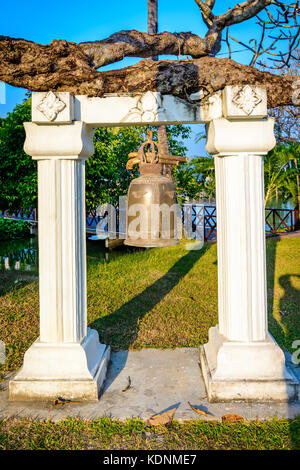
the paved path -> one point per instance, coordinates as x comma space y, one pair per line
284, 235
160, 380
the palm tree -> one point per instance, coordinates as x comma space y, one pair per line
281, 176
196, 179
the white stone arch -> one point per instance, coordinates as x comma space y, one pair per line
241, 360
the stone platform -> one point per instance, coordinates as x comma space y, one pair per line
160, 380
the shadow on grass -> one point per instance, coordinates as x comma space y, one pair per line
120, 329
274, 324
289, 308
271, 257
287, 328
295, 433
14, 280
291, 329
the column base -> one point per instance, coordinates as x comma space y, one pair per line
254, 371
74, 371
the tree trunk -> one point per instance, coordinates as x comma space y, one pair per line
161, 130
152, 6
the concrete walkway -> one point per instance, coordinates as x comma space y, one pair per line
283, 235
160, 380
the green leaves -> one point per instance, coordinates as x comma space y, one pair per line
18, 174
281, 172
195, 179
10, 229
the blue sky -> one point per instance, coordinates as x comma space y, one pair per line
79, 20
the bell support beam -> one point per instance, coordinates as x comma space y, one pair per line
67, 360
242, 361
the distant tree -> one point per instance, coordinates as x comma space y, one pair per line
280, 173
187, 185
196, 179
293, 177
287, 132
18, 178
287, 129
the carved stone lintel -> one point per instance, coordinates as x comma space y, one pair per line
147, 108
235, 102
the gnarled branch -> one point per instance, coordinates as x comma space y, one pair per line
63, 66
66, 66
138, 44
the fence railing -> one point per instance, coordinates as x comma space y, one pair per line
280, 220
276, 220
210, 223
30, 215
92, 219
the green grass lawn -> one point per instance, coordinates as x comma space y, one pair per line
105, 433
160, 298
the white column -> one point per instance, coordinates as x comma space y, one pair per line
241, 247
67, 360
242, 361
62, 259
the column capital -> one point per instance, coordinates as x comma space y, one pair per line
72, 141
235, 137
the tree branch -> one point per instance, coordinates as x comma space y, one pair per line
139, 44
206, 11
280, 25
241, 12
63, 66
66, 66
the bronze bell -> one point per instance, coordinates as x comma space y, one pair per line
151, 200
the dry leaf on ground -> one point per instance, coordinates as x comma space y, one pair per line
231, 418
162, 418
61, 401
128, 386
200, 412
